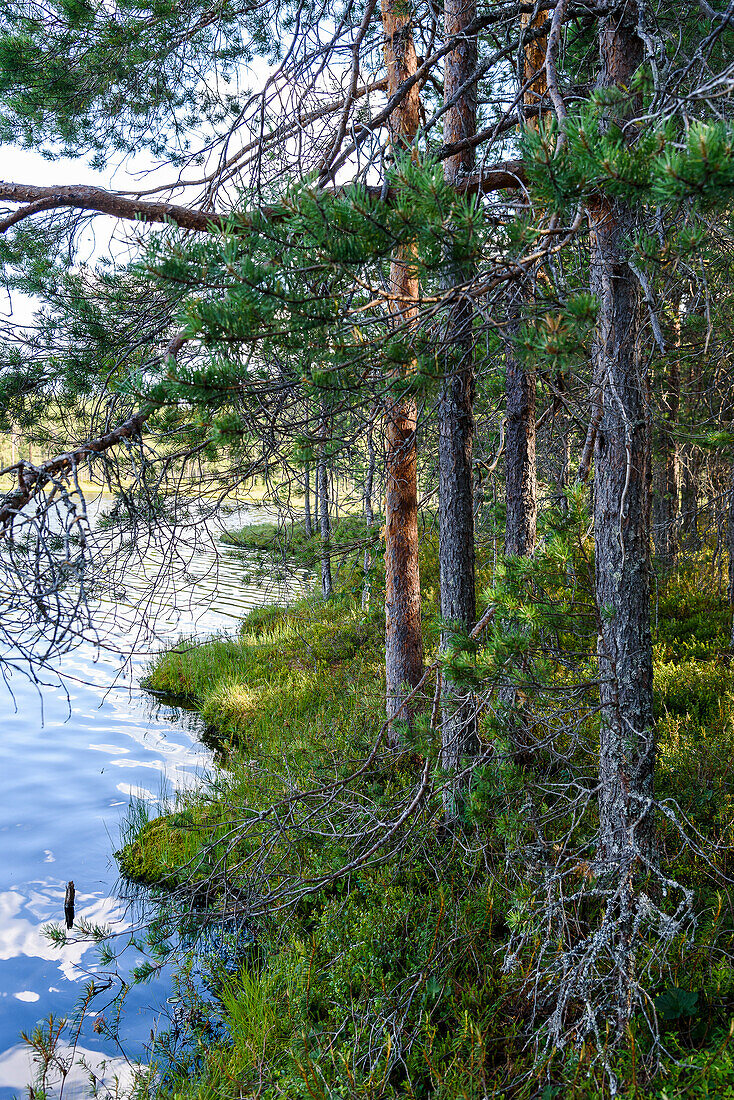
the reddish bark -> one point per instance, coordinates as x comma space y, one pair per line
403, 635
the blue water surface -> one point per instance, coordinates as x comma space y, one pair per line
73, 751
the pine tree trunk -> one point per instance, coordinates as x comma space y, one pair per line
666, 499
521, 498
456, 422
521, 480
559, 454
520, 467
621, 510
327, 586
307, 500
403, 635
369, 517
689, 497
666, 473
621, 530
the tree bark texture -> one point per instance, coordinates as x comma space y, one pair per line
322, 477
403, 635
621, 521
307, 500
521, 500
535, 80
456, 418
562, 451
666, 471
689, 496
369, 516
666, 497
521, 479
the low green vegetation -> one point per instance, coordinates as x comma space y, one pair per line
350, 535
394, 980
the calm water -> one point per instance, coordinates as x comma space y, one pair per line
72, 753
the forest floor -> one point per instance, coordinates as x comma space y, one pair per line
389, 982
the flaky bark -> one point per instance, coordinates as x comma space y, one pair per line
621, 504
621, 522
535, 76
403, 635
456, 418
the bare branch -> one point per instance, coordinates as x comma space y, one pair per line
82, 197
32, 478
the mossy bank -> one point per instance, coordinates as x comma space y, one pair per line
392, 980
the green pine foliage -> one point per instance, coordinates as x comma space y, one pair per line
69, 68
661, 167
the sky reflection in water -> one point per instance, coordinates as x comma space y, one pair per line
68, 767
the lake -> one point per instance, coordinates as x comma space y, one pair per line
73, 752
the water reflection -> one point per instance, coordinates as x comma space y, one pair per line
14, 1066
72, 754
22, 938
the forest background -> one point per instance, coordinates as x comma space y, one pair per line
474, 261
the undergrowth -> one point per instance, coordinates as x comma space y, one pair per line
349, 535
392, 980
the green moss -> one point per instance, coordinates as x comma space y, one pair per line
268, 690
178, 849
413, 950
156, 855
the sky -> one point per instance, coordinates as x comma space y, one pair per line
104, 236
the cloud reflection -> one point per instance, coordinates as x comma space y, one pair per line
21, 937
17, 1071
136, 792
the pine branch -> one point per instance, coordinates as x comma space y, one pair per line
505, 175
31, 478
97, 200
